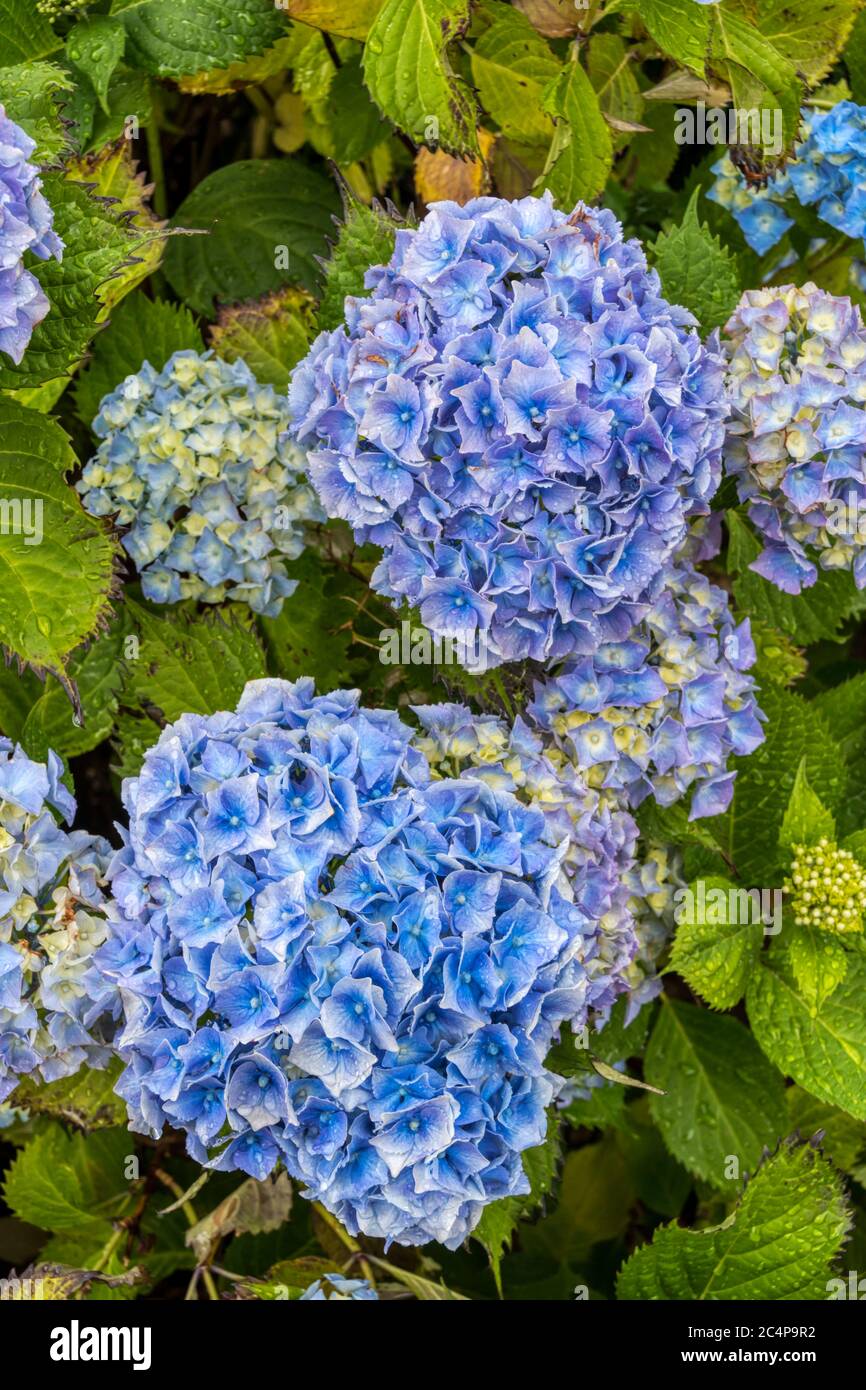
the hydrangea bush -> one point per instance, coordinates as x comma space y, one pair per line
433, 688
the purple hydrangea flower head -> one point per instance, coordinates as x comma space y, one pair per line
659, 713
827, 171
25, 225
519, 420
797, 435
195, 463
54, 1011
331, 959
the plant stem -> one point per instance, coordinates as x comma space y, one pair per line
156, 167
192, 1220
350, 1243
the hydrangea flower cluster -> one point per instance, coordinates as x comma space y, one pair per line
827, 887
195, 461
521, 422
797, 435
660, 713
336, 1288
330, 959
54, 1010
25, 225
827, 171
598, 835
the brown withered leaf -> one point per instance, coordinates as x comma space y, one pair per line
253, 1208
555, 19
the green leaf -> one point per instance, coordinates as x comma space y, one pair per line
129, 100
29, 95
66, 1183
190, 663
612, 73
26, 33
659, 1180
425, 1290
365, 238
354, 122
94, 46
267, 221
718, 942
97, 675
55, 591
409, 75
269, 334
176, 38
855, 58
843, 1138
308, 638
500, 1219
511, 66
140, 330
132, 737
112, 173
97, 245
809, 33
819, 962
581, 152
679, 30
821, 1046
811, 616
750, 58
778, 1243
748, 832
696, 270
724, 1100
594, 1196
86, 1100
844, 708
806, 819
615, 1042
286, 1280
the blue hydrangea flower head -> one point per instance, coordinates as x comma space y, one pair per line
827, 171
330, 959
797, 435
25, 225
194, 462
519, 420
336, 1288
598, 835
660, 713
54, 1011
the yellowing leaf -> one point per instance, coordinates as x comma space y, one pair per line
440, 175
348, 19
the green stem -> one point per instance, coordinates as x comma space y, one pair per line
350, 1243
503, 694
156, 167
192, 1220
